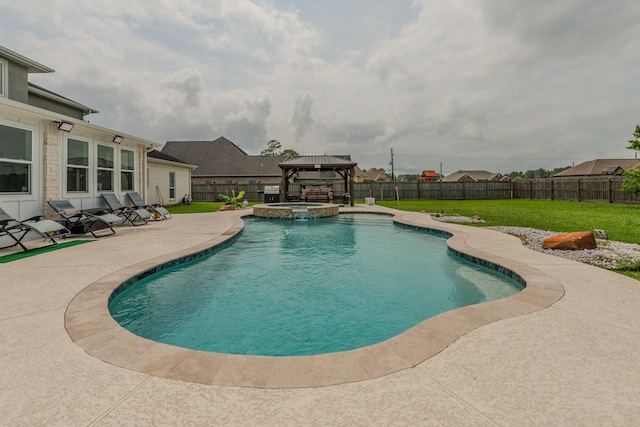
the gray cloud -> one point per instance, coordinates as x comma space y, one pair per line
248, 126
499, 85
301, 119
188, 83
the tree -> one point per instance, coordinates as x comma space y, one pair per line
635, 143
631, 183
274, 148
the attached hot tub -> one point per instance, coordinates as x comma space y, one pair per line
296, 210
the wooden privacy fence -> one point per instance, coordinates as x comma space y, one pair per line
592, 189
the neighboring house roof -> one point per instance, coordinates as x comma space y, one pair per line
31, 65
163, 157
428, 172
599, 167
474, 175
376, 175
222, 158
46, 93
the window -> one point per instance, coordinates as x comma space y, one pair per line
172, 185
105, 168
3, 73
15, 160
77, 165
127, 167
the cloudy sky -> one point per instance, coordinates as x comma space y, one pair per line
500, 85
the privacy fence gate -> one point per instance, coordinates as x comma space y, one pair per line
593, 189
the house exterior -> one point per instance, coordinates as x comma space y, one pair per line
223, 162
169, 179
475, 176
370, 175
599, 167
48, 151
428, 176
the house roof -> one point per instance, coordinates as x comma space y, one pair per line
598, 167
46, 93
158, 155
478, 175
318, 162
31, 65
223, 158
429, 172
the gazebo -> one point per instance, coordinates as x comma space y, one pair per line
339, 165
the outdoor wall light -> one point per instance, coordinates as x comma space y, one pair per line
118, 139
65, 126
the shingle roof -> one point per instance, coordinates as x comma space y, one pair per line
222, 157
598, 167
155, 154
478, 175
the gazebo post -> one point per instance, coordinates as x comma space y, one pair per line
285, 186
352, 187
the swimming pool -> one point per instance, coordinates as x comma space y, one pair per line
302, 288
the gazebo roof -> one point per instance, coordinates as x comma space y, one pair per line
317, 162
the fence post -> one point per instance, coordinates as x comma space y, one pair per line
578, 189
609, 190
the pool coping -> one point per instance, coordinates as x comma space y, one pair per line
90, 326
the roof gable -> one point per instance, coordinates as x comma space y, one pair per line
221, 157
599, 167
31, 65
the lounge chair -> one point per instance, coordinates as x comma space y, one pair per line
138, 203
130, 215
18, 230
90, 222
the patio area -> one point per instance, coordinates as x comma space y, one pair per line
574, 362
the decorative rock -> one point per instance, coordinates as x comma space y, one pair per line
227, 208
578, 240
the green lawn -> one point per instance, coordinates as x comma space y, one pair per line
621, 222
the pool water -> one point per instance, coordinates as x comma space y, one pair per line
306, 287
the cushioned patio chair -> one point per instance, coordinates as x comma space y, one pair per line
18, 230
131, 215
138, 203
90, 222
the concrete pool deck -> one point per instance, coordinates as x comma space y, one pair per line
572, 359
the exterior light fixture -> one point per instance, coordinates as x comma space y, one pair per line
118, 139
65, 126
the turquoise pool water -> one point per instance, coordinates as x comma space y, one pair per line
306, 287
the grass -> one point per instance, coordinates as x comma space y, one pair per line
24, 254
198, 207
621, 222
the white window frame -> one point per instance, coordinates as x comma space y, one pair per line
172, 188
132, 171
103, 168
30, 163
4, 71
89, 167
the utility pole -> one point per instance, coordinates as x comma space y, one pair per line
393, 177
